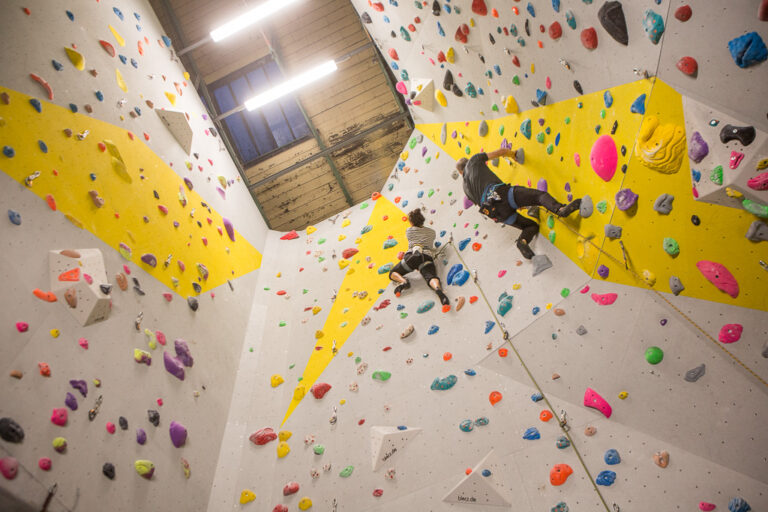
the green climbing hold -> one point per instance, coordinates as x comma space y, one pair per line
476, 226
550, 149
716, 176
552, 236
428, 159
404, 34
495, 107
403, 315
467, 150
364, 206
346, 471
321, 241
501, 129
381, 375
602, 206
282, 323
540, 137
550, 221
318, 449
602, 114
358, 360
431, 192
516, 80
565, 292
290, 366
671, 246
654, 355
567, 120
755, 208
412, 143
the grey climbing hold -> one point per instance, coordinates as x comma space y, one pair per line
663, 204
520, 156
11, 431
744, 134
540, 263
448, 80
193, 304
581, 330
764, 353
444, 133
483, 128
675, 285
612, 231
697, 148
109, 470
457, 90
14, 217
577, 86
366, 18
495, 162
738, 505
757, 232
586, 208
695, 374
612, 19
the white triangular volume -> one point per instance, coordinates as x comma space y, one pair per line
425, 93
476, 489
177, 124
386, 442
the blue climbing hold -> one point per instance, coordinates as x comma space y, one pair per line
461, 278
70, 15
513, 30
607, 99
442, 384
738, 505
134, 63
123, 59
366, 229
470, 372
389, 243
748, 49
464, 243
570, 19
442, 233
440, 29
696, 175
92, 176
505, 304
58, 66
653, 24
9, 151
537, 397
638, 106
433, 329
556, 5
541, 97
481, 421
137, 16
402, 427
497, 69
99, 95
560, 507
137, 110
118, 13
438, 244
562, 443
452, 272
14, 217
531, 9
425, 306
557, 139
400, 307
36, 104
166, 40
532, 434
612, 457
525, 128
42, 145
606, 478
73, 108
386, 19
447, 8
521, 41
395, 67
420, 194
489, 325
486, 472
535, 310
385, 268
466, 426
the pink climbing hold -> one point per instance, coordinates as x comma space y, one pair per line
44, 463
290, 235
502, 273
111, 427
393, 54
730, 333
759, 182
605, 299
59, 416
719, 276
577, 159
604, 157
22, 326
9, 466
402, 88
706, 506
168, 296
584, 290
594, 400
319, 389
83, 343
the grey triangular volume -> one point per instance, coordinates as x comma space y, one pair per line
177, 124
386, 442
476, 489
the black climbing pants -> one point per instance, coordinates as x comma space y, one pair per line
525, 197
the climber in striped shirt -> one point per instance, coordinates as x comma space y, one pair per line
421, 257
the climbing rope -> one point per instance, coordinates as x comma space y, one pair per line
563, 421
625, 264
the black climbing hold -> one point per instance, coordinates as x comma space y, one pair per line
109, 470
106, 289
197, 288
448, 80
577, 86
366, 18
436, 8
612, 19
614, 127
624, 168
490, 36
527, 28
123, 423
457, 90
412, 95
392, 34
213, 131
482, 59
696, 220
623, 150
11, 431
193, 304
157, 196
535, 104
154, 417
743, 134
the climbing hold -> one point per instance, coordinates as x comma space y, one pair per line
44, 463
653, 24
304, 504
661, 458
589, 38
545, 415
145, 468
683, 13
381, 375
625, 199
505, 304
594, 400
532, 434
466, 426
603, 271
525, 128
744, 134
605, 299
695, 374
654, 355
11, 431
483, 128
748, 49
663, 204
75, 58
407, 332
605, 478
719, 276
178, 434
559, 474
562, 443
283, 449
442, 384
730, 333
425, 306
688, 65
612, 19
738, 505
9, 467
263, 436
604, 157
319, 389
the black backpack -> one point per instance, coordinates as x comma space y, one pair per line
495, 205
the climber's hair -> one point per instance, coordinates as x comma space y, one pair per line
461, 164
416, 218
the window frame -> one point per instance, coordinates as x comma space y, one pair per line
243, 72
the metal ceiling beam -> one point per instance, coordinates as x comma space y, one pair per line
311, 125
197, 79
392, 118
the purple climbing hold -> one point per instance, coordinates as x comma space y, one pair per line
542, 185
80, 385
173, 365
229, 228
697, 148
625, 199
602, 271
70, 401
188, 183
141, 436
149, 259
182, 352
178, 434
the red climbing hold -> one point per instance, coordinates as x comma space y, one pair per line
378, 492
479, 8
291, 235
378, 6
516, 61
108, 47
319, 389
683, 13
263, 436
555, 30
461, 36
441, 56
688, 65
589, 38
281, 292
348, 253
393, 54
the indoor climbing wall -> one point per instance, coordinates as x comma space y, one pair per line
632, 373
130, 247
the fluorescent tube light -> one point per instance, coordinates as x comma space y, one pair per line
249, 18
287, 87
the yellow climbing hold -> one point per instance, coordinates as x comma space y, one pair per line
75, 58
342, 401
276, 380
450, 55
305, 503
171, 97
299, 392
623, 395
649, 277
117, 161
55, 333
317, 309
223, 181
510, 105
346, 223
319, 334
533, 68
311, 229
120, 82
247, 496
279, 274
117, 35
343, 264
283, 449
284, 435
516, 286
342, 237
661, 147
440, 97
186, 75
404, 155
471, 22
350, 354
733, 193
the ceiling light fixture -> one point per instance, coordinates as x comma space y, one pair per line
287, 87
249, 18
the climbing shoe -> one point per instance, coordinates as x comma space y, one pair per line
525, 249
402, 287
444, 301
569, 208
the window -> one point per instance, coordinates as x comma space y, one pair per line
266, 130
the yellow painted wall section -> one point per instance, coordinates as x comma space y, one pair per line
358, 278
65, 173
719, 238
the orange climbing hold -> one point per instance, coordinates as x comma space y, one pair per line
495, 397
447, 356
375, 196
476, 246
51, 202
70, 275
559, 474
494, 13
503, 352
46, 296
545, 415
473, 299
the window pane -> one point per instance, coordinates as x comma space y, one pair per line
243, 140
259, 129
271, 111
295, 117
